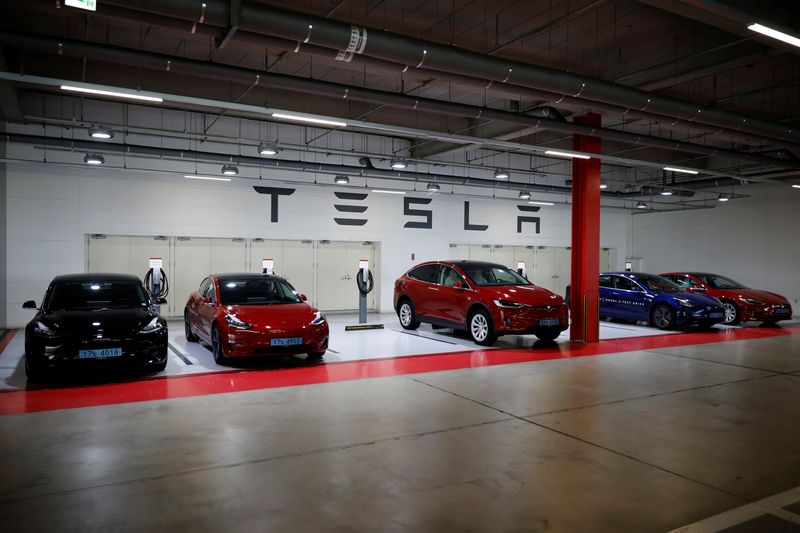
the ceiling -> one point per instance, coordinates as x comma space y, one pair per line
690, 53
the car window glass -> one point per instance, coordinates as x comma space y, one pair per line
625, 284
204, 287
657, 283
719, 282
256, 291
90, 295
448, 276
485, 274
605, 281
425, 273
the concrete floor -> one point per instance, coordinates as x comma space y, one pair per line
638, 441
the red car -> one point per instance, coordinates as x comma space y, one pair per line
486, 299
740, 303
242, 315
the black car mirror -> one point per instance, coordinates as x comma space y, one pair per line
30, 304
161, 301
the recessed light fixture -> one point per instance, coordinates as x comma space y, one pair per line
524, 195
775, 34
230, 170
641, 205
210, 178
796, 186
341, 179
387, 191
101, 132
501, 174
666, 192
433, 187
603, 185
532, 202
310, 120
94, 159
683, 170
566, 154
399, 164
115, 94
723, 198
268, 149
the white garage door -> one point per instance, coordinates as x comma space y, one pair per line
293, 260
336, 275
196, 258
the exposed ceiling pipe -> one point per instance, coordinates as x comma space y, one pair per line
349, 39
177, 65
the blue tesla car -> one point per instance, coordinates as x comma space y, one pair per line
655, 300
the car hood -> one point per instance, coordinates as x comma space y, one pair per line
523, 294
108, 322
698, 300
764, 296
276, 315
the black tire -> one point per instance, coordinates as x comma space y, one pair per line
547, 334
187, 328
216, 348
406, 314
730, 313
33, 371
314, 356
158, 367
770, 324
480, 328
662, 316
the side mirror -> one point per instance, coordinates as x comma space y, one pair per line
458, 285
30, 304
161, 301
303, 297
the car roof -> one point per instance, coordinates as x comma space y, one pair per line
467, 262
626, 274
245, 275
95, 276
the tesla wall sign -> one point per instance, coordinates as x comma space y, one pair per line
351, 210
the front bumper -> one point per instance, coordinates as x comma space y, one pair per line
766, 312
255, 342
528, 319
699, 315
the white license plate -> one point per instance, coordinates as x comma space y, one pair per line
549, 322
782, 311
100, 354
286, 341
715, 315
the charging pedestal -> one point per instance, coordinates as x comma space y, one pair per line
268, 266
365, 284
522, 269
154, 281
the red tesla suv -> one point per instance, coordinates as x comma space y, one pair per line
243, 315
486, 299
740, 303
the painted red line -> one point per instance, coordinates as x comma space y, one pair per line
7, 339
193, 385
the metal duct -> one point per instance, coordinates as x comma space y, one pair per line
349, 39
177, 65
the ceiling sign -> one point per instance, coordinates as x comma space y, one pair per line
89, 5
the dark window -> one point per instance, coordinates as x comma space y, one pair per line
204, 287
657, 283
425, 273
448, 276
625, 284
606, 281
719, 282
97, 295
483, 274
256, 291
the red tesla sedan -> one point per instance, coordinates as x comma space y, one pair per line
486, 299
243, 315
740, 303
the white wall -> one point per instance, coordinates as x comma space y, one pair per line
51, 208
754, 240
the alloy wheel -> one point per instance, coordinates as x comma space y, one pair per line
662, 317
405, 314
479, 327
730, 312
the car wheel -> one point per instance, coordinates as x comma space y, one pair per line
481, 329
216, 347
406, 315
547, 334
663, 317
730, 313
33, 372
187, 328
314, 356
159, 367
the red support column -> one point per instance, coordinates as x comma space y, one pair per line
584, 289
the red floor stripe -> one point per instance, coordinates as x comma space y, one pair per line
193, 385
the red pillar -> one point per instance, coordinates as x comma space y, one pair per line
584, 289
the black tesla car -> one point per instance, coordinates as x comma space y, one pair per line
94, 320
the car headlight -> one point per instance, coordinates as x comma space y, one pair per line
508, 304
684, 303
319, 319
752, 301
42, 329
152, 327
237, 323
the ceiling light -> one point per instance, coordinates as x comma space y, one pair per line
341, 180
268, 149
501, 174
666, 192
230, 170
101, 132
115, 94
524, 195
603, 185
566, 154
210, 178
433, 187
399, 164
541, 203
775, 34
641, 205
723, 198
387, 191
684, 170
312, 120
796, 186
94, 159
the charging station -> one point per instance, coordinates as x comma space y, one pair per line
522, 269
156, 282
365, 284
268, 266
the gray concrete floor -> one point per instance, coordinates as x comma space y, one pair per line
638, 441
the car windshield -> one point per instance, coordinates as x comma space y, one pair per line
93, 295
657, 283
256, 291
719, 282
490, 275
